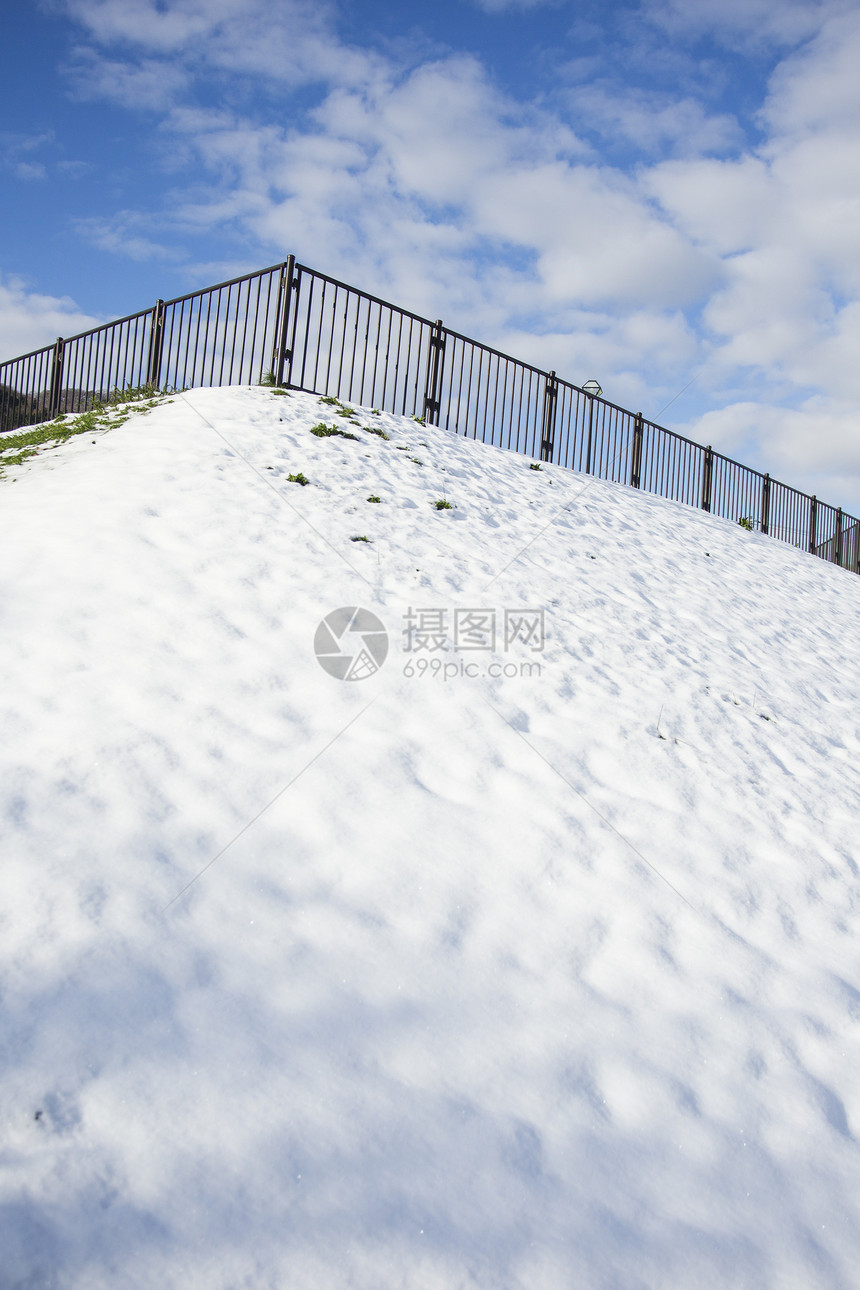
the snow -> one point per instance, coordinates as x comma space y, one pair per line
434, 980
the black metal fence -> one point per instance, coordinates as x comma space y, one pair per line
308, 331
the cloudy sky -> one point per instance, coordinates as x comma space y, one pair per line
658, 194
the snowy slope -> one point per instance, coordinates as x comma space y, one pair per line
438, 978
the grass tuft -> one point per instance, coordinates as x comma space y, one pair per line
104, 414
322, 431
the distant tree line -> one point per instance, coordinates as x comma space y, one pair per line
17, 409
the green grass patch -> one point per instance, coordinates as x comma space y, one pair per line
322, 431
104, 414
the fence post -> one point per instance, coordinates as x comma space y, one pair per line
707, 476
550, 401
433, 379
765, 504
837, 537
156, 343
636, 461
287, 283
590, 398
813, 523
56, 377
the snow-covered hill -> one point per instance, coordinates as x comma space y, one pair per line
529, 965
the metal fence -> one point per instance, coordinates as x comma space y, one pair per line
304, 329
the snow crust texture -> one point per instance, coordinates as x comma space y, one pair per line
533, 969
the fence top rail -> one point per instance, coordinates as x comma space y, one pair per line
827, 506
509, 358
849, 520
81, 335
219, 286
33, 353
365, 295
142, 313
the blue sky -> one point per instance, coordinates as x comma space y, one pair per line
651, 193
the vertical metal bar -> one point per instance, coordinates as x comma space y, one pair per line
838, 537
307, 329
707, 473
813, 523
278, 347
358, 303
348, 295
406, 371
330, 337
520, 410
366, 351
110, 336
588, 448
226, 325
256, 323
495, 401
765, 504
636, 456
156, 340
56, 376
247, 288
375, 357
550, 401
433, 377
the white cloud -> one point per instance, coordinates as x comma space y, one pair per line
29, 320
818, 88
505, 6
151, 83
15, 150
787, 226
814, 447
30, 170
653, 121
290, 42
120, 235
724, 205
438, 164
745, 22
429, 185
